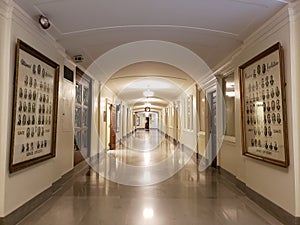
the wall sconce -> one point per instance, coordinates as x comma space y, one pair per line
44, 22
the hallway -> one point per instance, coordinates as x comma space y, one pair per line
189, 197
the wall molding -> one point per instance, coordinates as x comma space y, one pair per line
295, 7
19, 16
274, 24
21, 212
276, 211
207, 82
5, 9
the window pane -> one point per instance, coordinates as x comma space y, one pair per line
78, 93
229, 97
202, 111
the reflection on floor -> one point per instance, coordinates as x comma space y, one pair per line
188, 197
146, 158
144, 148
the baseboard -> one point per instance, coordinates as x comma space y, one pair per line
17, 215
276, 211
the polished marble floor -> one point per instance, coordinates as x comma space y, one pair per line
186, 198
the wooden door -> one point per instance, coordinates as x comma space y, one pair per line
176, 134
113, 127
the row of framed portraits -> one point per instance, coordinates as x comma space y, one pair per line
35, 100
35, 104
263, 107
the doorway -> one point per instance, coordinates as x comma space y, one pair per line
147, 121
176, 124
113, 127
82, 122
212, 102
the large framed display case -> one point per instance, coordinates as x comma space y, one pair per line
34, 112
263, 107
82, 121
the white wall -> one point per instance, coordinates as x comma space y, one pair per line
188, 137
106, 96
152, 123
273, 182
4, 54
33, 180
95, 136
295, 56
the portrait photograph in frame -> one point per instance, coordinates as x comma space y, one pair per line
34, 110
263, 107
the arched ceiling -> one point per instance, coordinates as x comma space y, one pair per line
165, 81
210, 28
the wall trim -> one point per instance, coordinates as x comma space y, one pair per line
5, 9
21, 212
207, 82
276, 211
274, 24
20, 17
295, 6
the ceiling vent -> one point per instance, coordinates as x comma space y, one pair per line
78, 58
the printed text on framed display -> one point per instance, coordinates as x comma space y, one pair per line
34, 108
263, 107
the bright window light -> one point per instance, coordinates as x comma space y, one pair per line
148, 213
230, 93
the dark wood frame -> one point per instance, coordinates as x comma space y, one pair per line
118, 117
224, 89
262, 154
86, 83
22, 46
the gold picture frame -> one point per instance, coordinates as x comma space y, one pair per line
263, 107
35, 100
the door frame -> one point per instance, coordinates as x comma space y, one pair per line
86, 81
212, 137
176, 122
219, 117
113, 127
107, 119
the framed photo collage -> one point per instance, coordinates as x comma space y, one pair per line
263, 101
34, 108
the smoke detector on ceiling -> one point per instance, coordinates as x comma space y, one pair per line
78, 58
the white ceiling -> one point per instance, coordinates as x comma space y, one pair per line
210, 28
167, 83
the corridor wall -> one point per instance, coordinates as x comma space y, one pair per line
274, 183
107, 96
295, 54
187, 134
18, 188
3, 99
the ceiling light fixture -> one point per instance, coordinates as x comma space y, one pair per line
147, 105
148, 93
44, 22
